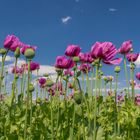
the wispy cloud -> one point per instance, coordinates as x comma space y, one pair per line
137, 63
76, 0
112, 9
66, 19
8, 58
45, 69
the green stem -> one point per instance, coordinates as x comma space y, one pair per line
2, 69
27, 101
126, 76
95, 104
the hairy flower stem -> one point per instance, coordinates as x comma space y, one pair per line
126, 76
83, 81
27, 101
37, 87
95, 101
132, 81
115, 109
2, 70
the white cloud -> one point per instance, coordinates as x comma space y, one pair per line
137, 63
45, 69
76, 0
112, 9
8, 58
66, 19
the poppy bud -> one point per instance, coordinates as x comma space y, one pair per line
49, 83
117, 69
31, 88
78, 97
76, 59
17, 52
29, 53
2, 51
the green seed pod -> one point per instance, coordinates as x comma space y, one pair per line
78, 73
49, 83
29, 53
2, 51
59, 71
132, 66
17, 76
76, 59
45, 75
131, 50
93, 63
31, 88
78, 97
117, 69
17, 52
65, 78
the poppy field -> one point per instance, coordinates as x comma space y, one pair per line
82, 103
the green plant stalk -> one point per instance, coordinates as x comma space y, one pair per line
2, 70
52, 127
37, 86
126, 76
73, 122
14, 85
83, 81
92, 80
95, 104
111, 86
132, 87
5, 82
116, 113
87, 84
27, 101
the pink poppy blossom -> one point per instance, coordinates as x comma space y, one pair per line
132, 57
85, 68
63, 63
137, 99
33, 66
125, 47
17, 70
138, 75
105, 51
72, 50
69, 72
12, 42
42, 81
85, 57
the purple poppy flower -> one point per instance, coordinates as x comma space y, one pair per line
125, 47
106, 52
72, 50
132, 57
63, 63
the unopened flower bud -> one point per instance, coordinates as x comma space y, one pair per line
76, 59
29, 53
2, 51
117, 69
17, 52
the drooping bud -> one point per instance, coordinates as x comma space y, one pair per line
29, 53
17, 52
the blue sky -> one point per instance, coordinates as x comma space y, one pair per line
54, 24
